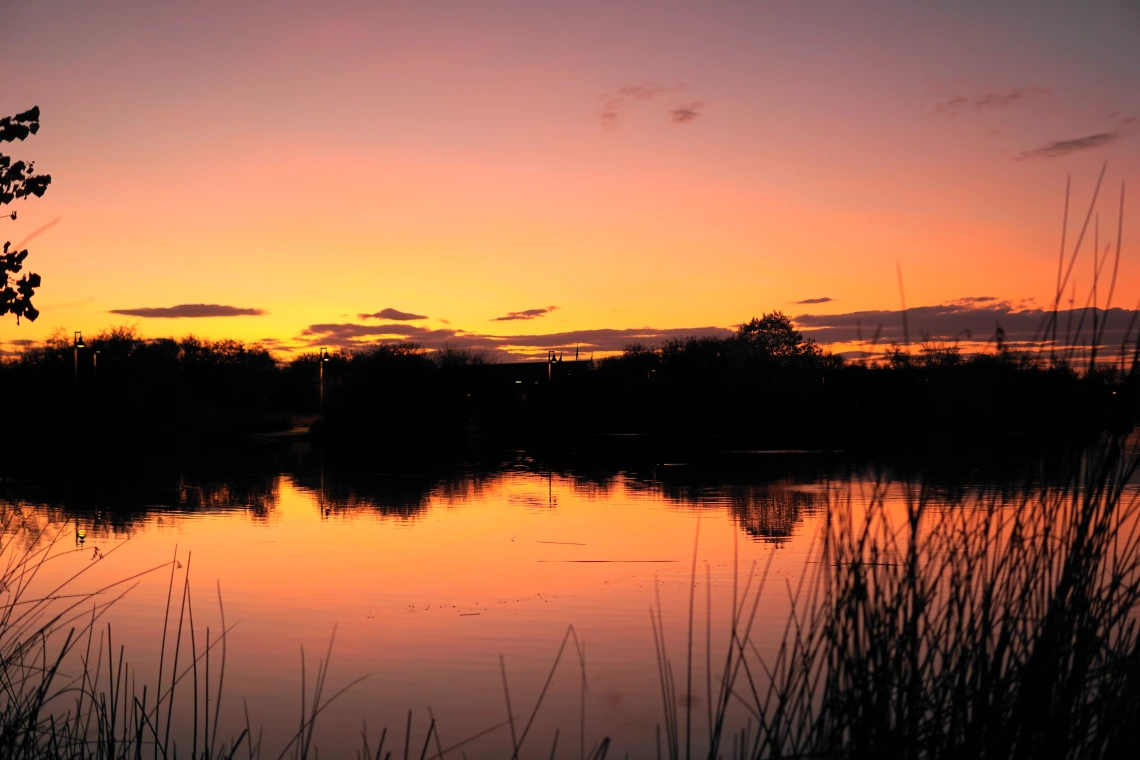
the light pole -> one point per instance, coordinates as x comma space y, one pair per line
324, 357
78, 345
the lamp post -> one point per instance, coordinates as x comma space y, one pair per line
78, 345
324, 357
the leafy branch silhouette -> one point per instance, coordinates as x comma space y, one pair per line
18, 179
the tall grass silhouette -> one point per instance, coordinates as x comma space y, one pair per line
998, 625
67, 692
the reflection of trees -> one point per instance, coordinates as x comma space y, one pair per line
770, 512
256, 494
110, 502
765, 509
767, 495
403, 492
397, 495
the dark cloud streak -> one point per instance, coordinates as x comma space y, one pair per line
988, 101
615, 102
976, 319
1060, 148
527, 314
500, 347
189, 311
394, 314
686, 113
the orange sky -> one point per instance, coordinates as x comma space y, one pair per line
663, 165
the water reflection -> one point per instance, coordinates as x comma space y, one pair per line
767, 499
767, 495
432, 570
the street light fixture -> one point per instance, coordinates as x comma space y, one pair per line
78, 345
324, 357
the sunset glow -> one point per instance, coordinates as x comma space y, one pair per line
658, 166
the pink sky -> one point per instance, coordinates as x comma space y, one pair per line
638, 165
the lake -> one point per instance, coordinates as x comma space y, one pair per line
441, 582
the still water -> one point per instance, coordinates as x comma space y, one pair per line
429, 579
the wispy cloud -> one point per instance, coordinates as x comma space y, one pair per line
822, 299
686, 113
974, 318
38, 231
527, 314
605, 339
190, 310
276, 344
349, 330
643, 91
987, 101
1060, 148
615, 103
499, 347
394, 314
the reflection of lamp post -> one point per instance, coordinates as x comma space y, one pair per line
324, 357
95, 366
78, 345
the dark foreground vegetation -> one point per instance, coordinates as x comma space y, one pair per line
765, 387
997, 627
998, 623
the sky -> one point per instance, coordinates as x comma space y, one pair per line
530, 175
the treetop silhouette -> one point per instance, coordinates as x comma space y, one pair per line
774, 336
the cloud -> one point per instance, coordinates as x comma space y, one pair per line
988, 101
275, 344
38, 231
615, 103
974, 318
528, 314
686, 113
1060, 148
643, 91
392, 314
608, 117
348, 330
605, 339
499, 347
822, 299
190, 310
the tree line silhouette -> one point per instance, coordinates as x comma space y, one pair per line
764, 387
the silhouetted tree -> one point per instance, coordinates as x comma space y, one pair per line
773, 337
453, 355
19, 180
